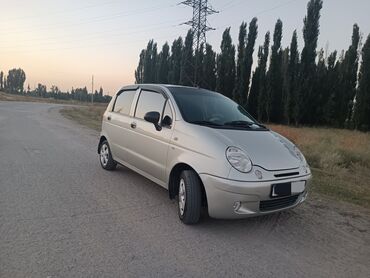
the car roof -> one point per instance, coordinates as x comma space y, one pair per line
158, 86
161, 87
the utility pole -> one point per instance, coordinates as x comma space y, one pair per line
92, 90
199, 26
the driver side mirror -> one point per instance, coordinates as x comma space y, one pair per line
153, 117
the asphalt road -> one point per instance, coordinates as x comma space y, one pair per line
61, 215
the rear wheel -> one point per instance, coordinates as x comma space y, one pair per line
106, 159
190, 197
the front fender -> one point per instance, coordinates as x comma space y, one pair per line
200, 162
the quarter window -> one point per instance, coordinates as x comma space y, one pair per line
123, 102
148, 102
167, 115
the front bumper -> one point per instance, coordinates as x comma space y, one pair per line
229, 199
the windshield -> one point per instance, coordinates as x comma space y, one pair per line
203, 107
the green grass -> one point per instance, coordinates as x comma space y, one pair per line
25, 98
90, 116
339, 159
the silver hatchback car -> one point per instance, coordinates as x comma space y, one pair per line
205, 149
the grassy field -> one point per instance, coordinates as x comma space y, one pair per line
90, 116
339, 159
14, 97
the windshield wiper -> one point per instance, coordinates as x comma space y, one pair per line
206, 123
244, 124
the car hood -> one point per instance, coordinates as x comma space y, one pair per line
264, 148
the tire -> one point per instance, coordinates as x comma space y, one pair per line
105, 157
189, 197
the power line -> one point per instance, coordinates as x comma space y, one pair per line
265, 10
91, 36
63, 25
231, 4
85, 46
277, 7
61, 12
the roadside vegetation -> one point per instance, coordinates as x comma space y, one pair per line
27, 98
339, 158
13, 83
90, 116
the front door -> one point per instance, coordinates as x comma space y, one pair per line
148, 147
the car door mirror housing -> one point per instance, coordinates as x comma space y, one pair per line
153, 117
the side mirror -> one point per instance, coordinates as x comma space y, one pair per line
153, 117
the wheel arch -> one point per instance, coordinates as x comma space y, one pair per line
174, 178
101, 140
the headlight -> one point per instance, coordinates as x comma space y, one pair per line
298, 154
239, 159
291, 147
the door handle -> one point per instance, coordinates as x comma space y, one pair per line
133, 125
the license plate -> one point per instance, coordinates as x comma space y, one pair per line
281, 190
298, 187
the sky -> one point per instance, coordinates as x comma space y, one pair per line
65, 42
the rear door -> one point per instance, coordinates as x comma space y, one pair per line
148, 146
118, 123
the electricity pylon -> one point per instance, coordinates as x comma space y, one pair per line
199, 26
199, 23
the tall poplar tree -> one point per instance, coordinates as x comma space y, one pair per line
332, 82
348, 79
209, 69
320, 89
262, 106
150, 62
175, 61
291, 80
248, 60
163, 64
139, 72
305, 108
362, 107
275, 80
226, 65
199, 57
239, 80
187, 61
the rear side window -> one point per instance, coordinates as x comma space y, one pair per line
123, 102
148, 102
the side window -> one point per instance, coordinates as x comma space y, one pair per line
123, 102
148, 102
167, 115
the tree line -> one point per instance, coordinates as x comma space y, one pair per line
311, 87
14, 83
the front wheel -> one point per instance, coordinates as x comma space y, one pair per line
106, 159
190, 197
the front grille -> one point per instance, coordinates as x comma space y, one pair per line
278, 203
